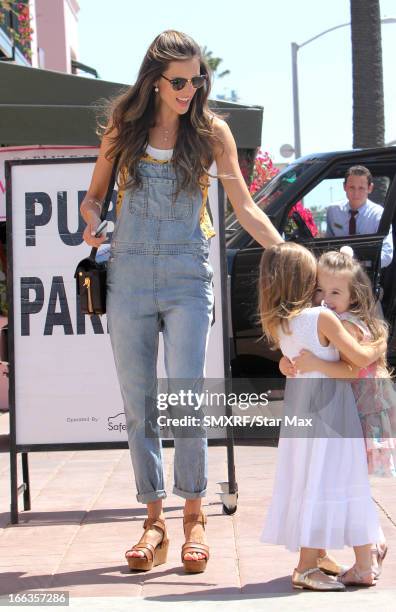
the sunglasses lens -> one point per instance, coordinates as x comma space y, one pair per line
178, 84
198, 81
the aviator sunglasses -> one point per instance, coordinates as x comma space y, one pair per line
179, 82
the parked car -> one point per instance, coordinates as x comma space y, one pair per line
317, 181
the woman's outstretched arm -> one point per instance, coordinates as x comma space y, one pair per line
249, 215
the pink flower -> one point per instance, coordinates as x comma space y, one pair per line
306, 216
263, 171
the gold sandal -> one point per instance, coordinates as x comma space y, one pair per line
358, 578
328, 565
154, 555
302, 580
199, 565
379, 553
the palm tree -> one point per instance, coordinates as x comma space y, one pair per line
368, 88
214, 63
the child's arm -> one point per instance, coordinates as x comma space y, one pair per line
359, 354
287, 367
357, 333
308, 362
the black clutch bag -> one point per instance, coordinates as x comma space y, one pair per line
90, 275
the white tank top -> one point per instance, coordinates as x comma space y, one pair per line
160, 154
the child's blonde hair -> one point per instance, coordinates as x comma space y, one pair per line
286, 285
362, 298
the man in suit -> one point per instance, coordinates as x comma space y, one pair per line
357, 214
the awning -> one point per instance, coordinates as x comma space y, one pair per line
46, 107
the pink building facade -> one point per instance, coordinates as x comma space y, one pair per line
54, 42
57, 37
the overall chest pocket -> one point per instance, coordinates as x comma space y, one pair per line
156, 199
138, 200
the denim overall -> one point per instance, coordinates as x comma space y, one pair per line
159, 278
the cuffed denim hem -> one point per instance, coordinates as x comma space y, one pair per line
189, 494
151, 496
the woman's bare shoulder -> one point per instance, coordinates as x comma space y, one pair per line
220, 127
224, 141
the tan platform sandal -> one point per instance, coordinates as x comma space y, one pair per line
154, 555
199, 565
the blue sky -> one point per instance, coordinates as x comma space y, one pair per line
253, 38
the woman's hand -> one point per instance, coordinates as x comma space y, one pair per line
90, 230
287, 367
307, 362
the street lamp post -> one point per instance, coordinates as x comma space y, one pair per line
294, 49
296, 109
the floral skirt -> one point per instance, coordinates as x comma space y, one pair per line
376, 404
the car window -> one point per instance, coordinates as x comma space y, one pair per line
311, 210
280, 184
323, 195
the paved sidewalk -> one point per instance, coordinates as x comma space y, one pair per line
85, 515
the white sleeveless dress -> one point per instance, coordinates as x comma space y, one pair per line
321, 496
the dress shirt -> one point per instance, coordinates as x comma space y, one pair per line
367, 222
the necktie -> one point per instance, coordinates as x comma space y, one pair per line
352, 221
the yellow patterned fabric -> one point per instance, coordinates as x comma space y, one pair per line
204, 218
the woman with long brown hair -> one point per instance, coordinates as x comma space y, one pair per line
165, 139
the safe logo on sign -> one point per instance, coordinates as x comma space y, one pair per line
116, 422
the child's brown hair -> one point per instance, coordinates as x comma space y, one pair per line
362, 298
286, 285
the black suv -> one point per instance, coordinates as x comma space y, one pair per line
317, 181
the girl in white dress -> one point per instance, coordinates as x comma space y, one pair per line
344, 287
321, 497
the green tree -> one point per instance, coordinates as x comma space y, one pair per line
214, 63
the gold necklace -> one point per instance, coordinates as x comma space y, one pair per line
166, 134
165, 137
